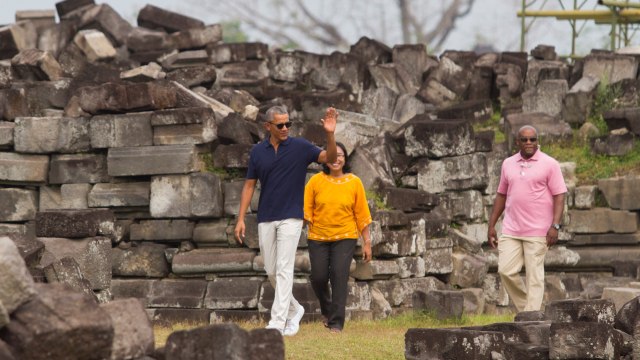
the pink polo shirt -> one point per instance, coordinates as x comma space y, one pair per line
529, 186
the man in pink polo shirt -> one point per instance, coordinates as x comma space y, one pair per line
531, 194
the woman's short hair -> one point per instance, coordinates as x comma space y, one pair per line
346, 168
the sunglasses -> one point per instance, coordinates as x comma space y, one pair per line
531, 139
280, 126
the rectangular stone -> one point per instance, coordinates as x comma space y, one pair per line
92, 254
375, 269
454, 173
584, 340
16, 284
225, 316
233, 293
605, 239
119, 194
133, 129
41, 135
74, 196
302, 291
602, 220
211, 233
78, 168
232, 156
153, 17
394, 243
20, 168
169, 230
147, 260
66, 6
184, 134
438, 260
201, 261
6, 134
621, 192
172, 318
152, 160
399, 292
132, 288
74, 223
182, 116
197, 38
18, 204
95, 45
175, 293
452, 344
122, 98
197, 194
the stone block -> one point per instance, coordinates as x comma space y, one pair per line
236, 52
584, 340
118, 194
197, 195
414, 59
473, 300
620, 192
233, 293
67, 271
144, 260
36, 65
152, 160
372, 162
202, 261
73, 196
153, 17
605, 239
379, 102
301, 263
194, 76
132, 331
232, 156
452, 344
132, 288
577, 102
18, 204
438, 256
454, 173
29, 247
465, 205
182, 116
444, 304
468, 270
121, 98
6, 134
539, 71
394, 244
618, 142
171, 317
104, 18
123, 130
620, 295
149, 72
75, 223
65, 7
411, 266
177, 293
162, 230
202, 133
602, 220
577, 310
302, 291
627, 317
476, 111
17, 37
51, 134
71, 326
465, 243
399, 292
407, 106
220, 341
409, 200
436, 139
584, 197
375, 269
628, 117
93, 256
612, 67
211, 233
16, 284
95, 45
78, 168
225, 316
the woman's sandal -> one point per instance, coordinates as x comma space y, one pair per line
335, 330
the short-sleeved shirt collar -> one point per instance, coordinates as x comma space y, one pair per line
267, 143
535, 157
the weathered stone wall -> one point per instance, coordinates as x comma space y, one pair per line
122, 151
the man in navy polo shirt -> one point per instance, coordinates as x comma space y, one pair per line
280, 163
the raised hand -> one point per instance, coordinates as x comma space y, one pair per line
330, 120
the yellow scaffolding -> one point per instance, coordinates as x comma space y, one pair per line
621, 15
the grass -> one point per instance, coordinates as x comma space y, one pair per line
590, 167
361, 339
492, 123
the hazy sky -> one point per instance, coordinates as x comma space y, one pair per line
491, 22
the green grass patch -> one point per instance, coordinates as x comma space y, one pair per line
590, 167
492, 123
377, 199
361, 339
606, 98
223, 173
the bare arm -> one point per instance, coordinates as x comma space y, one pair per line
245, 200
329, 123
558, 208
366, 244
498, 208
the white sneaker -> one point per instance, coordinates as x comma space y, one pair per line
293, 324
275, 328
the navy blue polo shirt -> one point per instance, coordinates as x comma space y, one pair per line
282, 177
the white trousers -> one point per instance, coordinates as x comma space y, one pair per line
513, 252
278, 243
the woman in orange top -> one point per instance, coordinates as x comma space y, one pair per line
335, 207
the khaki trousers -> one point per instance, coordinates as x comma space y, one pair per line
513, 252
278, 243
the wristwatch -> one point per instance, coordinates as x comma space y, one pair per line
556, 226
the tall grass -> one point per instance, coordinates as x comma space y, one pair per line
361, 339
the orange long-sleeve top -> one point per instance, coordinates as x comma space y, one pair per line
336, 208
